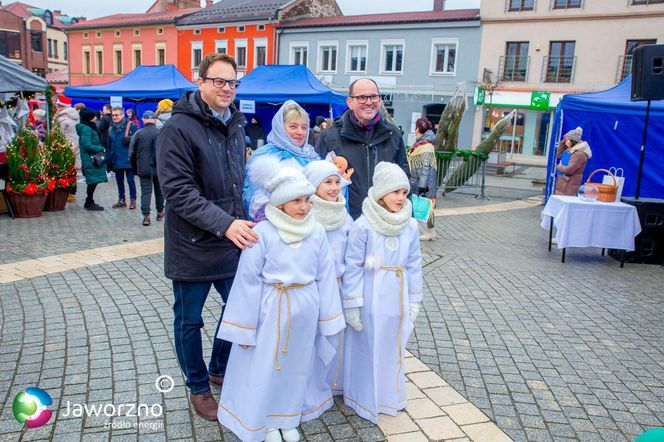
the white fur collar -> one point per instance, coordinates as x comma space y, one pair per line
330, 215
383, 221
290, 230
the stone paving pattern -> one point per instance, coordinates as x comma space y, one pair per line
549, 351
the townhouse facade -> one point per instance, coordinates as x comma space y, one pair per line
106, 48
416, 58
244, 30
535, 51
34, 38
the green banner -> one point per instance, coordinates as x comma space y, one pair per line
539, 100
480, 95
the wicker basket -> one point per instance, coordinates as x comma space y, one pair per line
27, 206
607, 192
56, 200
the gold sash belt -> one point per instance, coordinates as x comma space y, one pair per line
283, 290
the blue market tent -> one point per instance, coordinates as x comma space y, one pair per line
270, 85
613, 126
141, 88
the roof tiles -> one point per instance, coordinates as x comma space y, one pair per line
376, 19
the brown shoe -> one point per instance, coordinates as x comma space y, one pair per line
216, 380
132, 204
160, 215
120, 204
146, 220
205, 405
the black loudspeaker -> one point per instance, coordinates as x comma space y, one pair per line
648, 73
649, 244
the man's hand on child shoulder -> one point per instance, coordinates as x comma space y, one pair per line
241, 234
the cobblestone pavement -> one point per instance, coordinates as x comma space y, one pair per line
549, 351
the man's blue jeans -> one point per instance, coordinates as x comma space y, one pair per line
189, 301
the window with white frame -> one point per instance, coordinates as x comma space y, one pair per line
327, 56
137, 54
241, 53
298, 53
392, 56
160, 53
87, 65
196, 56
260, 51
117, 59
356, 56
443, 56
99, 59
260, 27
197, 32
221, 46
240, 28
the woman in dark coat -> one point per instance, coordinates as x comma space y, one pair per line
255, 132
577, 154
90, 145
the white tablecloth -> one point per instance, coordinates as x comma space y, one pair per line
591, 223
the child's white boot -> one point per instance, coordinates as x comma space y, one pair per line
428, 235
291, 435
272, 435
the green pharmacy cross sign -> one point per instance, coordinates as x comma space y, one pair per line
539, 100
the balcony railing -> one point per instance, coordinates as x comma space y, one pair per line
624, 67
514, 67
558, 69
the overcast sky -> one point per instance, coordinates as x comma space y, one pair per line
94, 9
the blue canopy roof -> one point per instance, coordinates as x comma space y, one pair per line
613, 126
278, 83
616, 99
144, 82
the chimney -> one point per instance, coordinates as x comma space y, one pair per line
438, 5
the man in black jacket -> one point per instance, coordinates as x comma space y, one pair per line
364, 139
200, 163
143, 162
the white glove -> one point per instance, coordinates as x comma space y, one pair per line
414, 310
353, 318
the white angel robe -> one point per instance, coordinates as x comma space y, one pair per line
280, 296
383, 276
327, 373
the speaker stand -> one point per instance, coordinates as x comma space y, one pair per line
643, 153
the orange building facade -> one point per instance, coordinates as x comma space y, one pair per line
251, 44
101, 55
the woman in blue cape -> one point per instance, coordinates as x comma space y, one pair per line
286, 146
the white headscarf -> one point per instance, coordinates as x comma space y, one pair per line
280, 138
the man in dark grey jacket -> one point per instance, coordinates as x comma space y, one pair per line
362, 137
200, 162
142, 152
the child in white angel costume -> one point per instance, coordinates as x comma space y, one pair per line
382, 292
285, 291
329, 209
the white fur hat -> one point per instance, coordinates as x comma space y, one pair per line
387, 178
318, 171
288, 184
